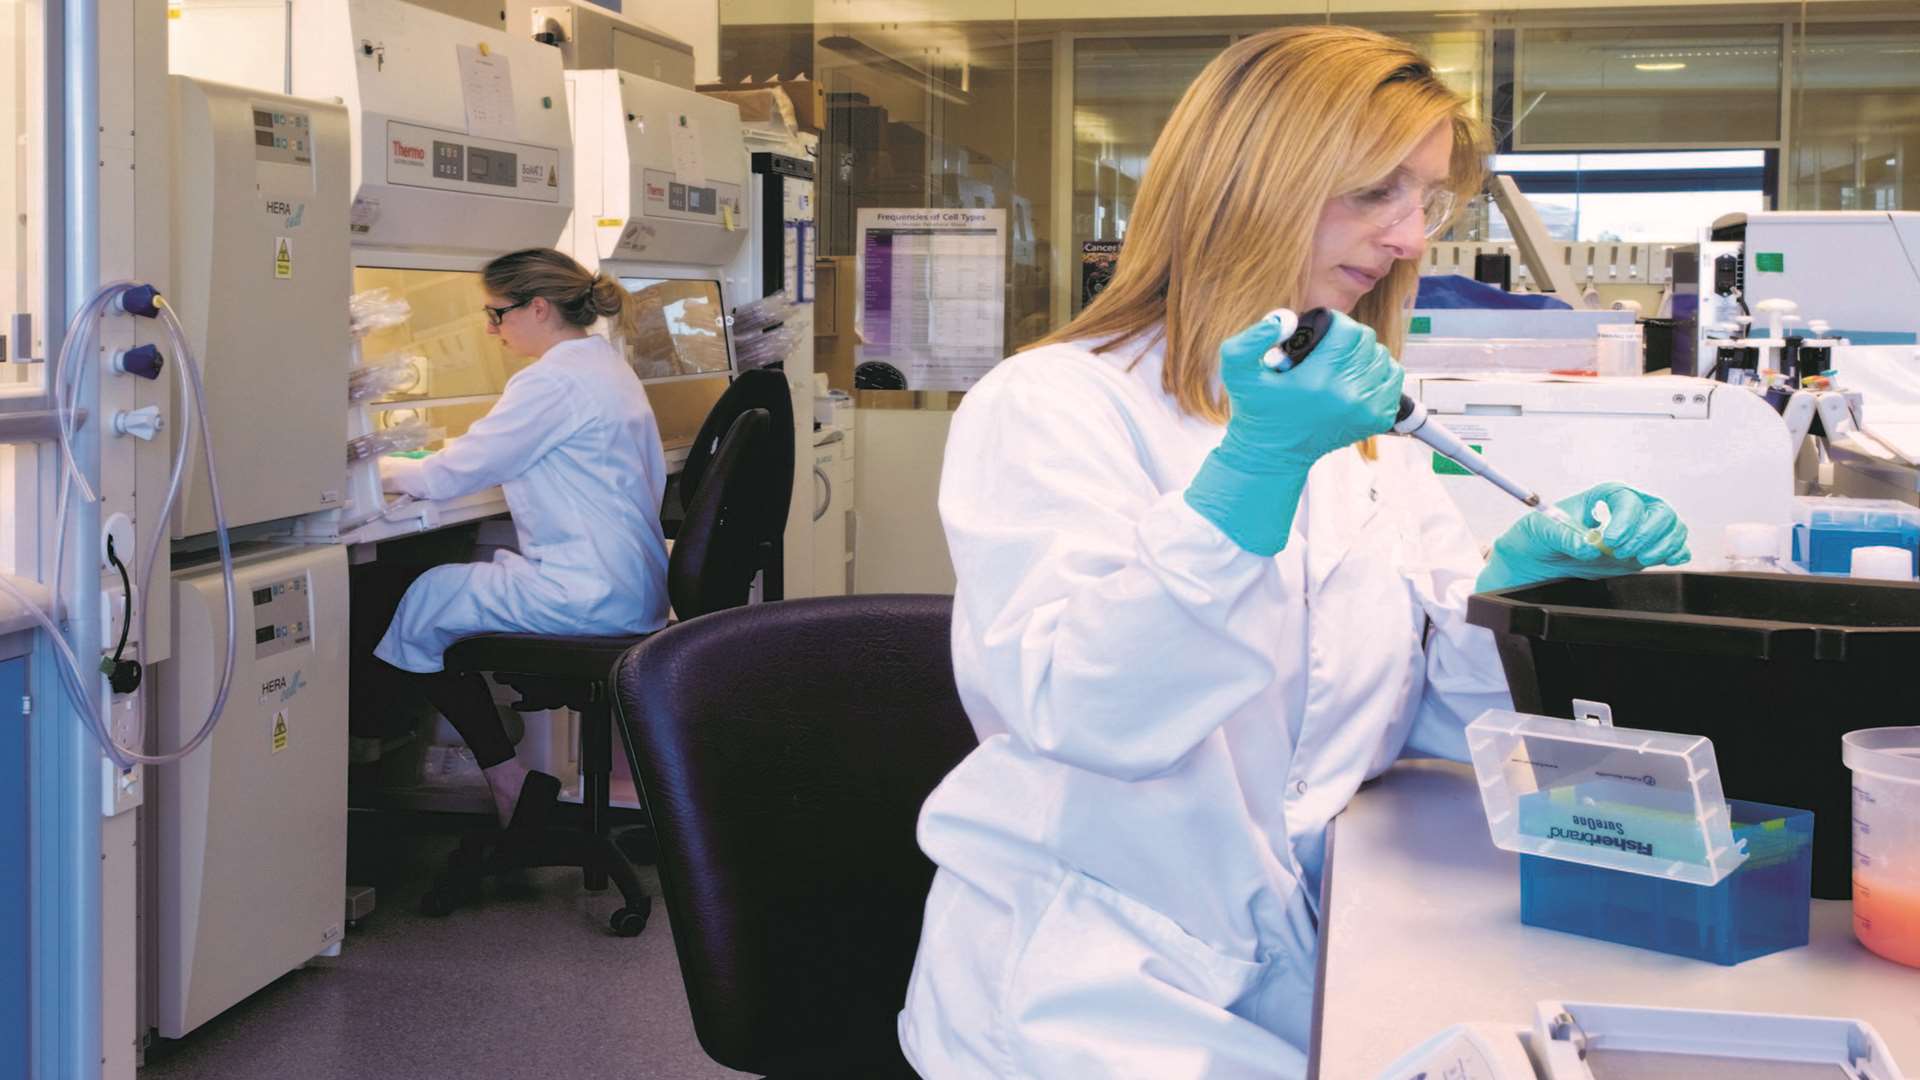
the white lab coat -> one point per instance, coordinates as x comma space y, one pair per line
575, 445
1129, 863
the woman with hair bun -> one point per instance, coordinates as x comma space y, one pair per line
574, 443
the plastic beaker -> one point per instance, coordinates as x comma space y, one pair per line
1886, 839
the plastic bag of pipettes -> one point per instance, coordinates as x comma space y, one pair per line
765, 349
757, 315
396, 373
376, 309
409, 434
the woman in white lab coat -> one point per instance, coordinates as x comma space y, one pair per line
1198, 604
575, 445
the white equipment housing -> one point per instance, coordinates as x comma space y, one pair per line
260, 278
458, 130
462, 151
249, 832
1858, 270
1578, 1041
662, 174
1718, 454
590, 37
1881, 460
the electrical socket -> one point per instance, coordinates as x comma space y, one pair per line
120, 791
123, 719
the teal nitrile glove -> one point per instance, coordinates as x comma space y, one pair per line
1643, 531
1347, 388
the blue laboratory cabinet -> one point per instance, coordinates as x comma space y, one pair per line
14, 823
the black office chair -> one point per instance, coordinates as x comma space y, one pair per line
759, 388
739, 503
784, 751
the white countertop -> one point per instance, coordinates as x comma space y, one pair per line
13, 617
414, 517
1421, 930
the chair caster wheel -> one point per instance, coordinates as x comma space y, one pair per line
628, 922
438, 902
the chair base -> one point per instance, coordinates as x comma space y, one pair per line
489, 853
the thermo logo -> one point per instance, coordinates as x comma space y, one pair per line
409, 153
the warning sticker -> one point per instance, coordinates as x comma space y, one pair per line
282, 257
279, 731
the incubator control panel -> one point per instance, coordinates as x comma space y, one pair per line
282, 138
282, 617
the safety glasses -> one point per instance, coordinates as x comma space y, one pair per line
1396, 198
496, 314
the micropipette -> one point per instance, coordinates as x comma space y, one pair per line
1300, 333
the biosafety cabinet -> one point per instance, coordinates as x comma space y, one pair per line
662, 172
447, 117
661, 206
461, 150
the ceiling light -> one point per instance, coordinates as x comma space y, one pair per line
1658, 67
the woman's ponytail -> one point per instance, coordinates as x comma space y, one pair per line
613, 302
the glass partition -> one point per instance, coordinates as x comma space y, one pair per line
445, 334
1593, 87
1856, 112
682, 328
1124, 90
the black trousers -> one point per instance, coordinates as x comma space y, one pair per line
468, 705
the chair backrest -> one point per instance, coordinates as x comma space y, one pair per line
759, 388
784, 751
726, 537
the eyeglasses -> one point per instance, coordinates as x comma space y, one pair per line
1396, 198
496, 314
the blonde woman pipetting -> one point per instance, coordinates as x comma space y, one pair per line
1199, 603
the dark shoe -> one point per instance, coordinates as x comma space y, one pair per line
536, 802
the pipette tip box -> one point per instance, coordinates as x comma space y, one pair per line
1827, 529
1760, 907
1627, 836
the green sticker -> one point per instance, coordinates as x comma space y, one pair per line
1770, 262
1445, 466
1422, 324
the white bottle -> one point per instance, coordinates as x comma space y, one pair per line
1753, 548
1619, 350
1883, 563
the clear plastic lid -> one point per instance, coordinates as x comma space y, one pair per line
1753, 540
1837, 511
1646, 802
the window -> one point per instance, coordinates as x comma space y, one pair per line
1654, 196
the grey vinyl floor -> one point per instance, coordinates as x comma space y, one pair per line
529, 984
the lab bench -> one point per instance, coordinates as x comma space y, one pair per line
1420, 930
